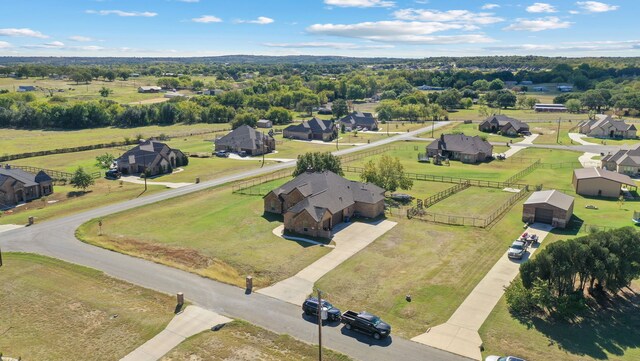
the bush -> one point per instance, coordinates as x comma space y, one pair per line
519, 299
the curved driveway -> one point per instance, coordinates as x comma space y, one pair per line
56, 238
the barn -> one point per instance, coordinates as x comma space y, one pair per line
551, 207
600, 182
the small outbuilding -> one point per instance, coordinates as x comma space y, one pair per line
600, 182
551, 207
264, 123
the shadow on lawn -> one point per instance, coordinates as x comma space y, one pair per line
609, 326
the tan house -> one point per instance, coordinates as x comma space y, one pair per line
505, 125
551, 207
246, 139
623, 161
607, 127
600, 182
313, 203
18, 186
151, 157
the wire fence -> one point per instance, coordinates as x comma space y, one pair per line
356, 156
54, 174
516, 177
250, 186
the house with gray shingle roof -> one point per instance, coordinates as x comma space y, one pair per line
359, 119
313, 203
607, 127
150, 157
245, 138
624, 161
460, 147
504, 124
314, 129
17, 186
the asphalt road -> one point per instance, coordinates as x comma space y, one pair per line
56, 238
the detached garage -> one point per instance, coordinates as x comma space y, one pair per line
598, 182
551, 207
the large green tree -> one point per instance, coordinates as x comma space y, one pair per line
318, 162
387, 173
81, 179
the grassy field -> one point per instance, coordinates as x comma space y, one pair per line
123, 91
609, 334
16, 141
228, 254
67, 200
52, 310
472, 202
241, 341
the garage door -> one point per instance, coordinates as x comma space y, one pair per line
544, 215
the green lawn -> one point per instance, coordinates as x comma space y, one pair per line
16, 141
614, 142
203, 240
53, 310
548, 131
472, 202
241, 341
69, 200
610, 334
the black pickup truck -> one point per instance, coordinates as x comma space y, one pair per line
366, 323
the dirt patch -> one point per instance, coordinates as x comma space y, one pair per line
183, 256
151, 101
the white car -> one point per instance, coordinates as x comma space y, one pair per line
503, 358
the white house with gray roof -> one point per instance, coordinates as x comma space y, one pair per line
607, 127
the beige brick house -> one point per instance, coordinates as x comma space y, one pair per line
18, 186
313, 203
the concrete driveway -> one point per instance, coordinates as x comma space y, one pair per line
459, 334
350, 238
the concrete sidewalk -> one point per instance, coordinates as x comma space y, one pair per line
587, 161
350, 238
577, 137
138, 180
186, 324
459, 334
515, 148
8, 227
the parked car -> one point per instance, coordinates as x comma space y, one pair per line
222, 154
517, 249
366, 323
503, 358
310, 308
113, 174
242, 153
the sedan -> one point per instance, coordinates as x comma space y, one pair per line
517, 250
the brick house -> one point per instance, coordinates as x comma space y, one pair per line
152, 157
503, 124
315, 202
17, 186
607, 127
460, 147
359, 119
245, 138
314, 129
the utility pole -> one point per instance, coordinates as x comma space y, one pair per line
433, 125
320, 325
558, 132
264, 139
0, 258
387, 128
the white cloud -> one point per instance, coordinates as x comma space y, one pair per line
23, 32
540, 24
414, 32
329, 45
146, 14
4, 45
541, 8
360, 3
489, 6
453, 16
207, 19
596, 6
261, 20
574, 12
89, 47
51, 45
189, 1
80, 38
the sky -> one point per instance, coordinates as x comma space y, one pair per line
363, 28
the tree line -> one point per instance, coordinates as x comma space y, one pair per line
555, 281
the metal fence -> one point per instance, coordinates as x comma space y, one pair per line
481, 222
428, 202
249, 187
54, 174
522, 173
356, 156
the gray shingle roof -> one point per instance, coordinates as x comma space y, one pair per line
244, 137
328, 191
461, 143
315, 125
503, 120
359, 119
147, 153
551, 197
28, 179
